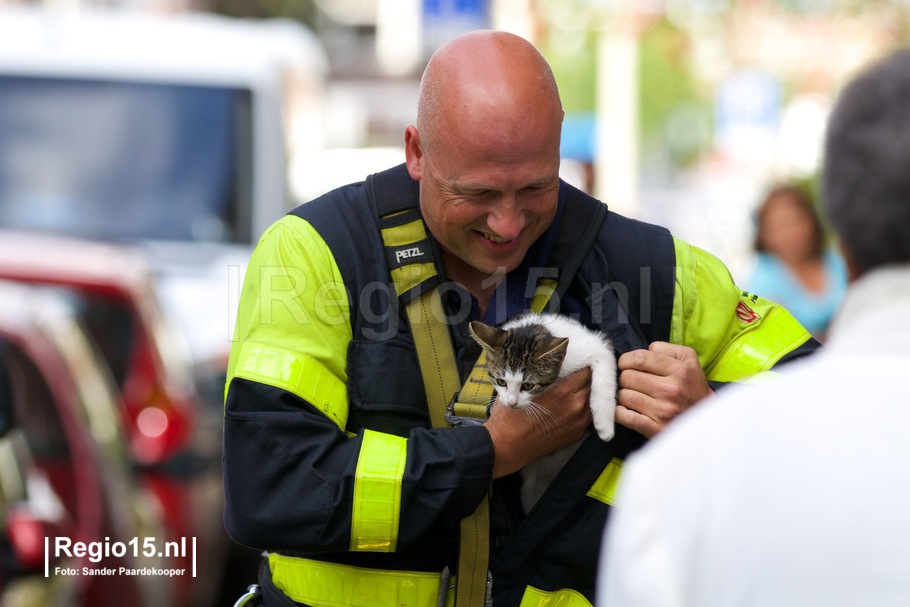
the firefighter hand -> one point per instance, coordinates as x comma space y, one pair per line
560, 417
656, 385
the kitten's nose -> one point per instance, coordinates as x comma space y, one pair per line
513, 400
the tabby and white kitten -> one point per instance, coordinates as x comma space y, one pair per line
532, 351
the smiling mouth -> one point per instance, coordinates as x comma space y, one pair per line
495, 239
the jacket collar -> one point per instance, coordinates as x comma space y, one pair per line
875, 311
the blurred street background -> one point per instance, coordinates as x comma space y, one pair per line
146, 144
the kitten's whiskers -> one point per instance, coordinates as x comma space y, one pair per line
539, 416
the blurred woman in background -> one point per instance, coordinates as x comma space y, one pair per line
795, 266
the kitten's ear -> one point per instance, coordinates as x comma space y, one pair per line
556, 347
487, 336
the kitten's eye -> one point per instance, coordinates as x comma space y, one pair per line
500, 382
527, 386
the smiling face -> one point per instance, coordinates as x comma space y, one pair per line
486, 206
487, 156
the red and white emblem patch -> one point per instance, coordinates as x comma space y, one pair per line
746, 314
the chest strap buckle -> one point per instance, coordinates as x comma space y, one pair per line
460, 414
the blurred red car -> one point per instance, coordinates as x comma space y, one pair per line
64, 469
174, 441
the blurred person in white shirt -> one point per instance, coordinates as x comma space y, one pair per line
796, 490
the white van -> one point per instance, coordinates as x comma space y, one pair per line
171, 130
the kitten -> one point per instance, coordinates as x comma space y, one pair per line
532, 351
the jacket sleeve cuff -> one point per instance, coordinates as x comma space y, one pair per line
476, 462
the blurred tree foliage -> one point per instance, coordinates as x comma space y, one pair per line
674, 109
300, 10
575, 68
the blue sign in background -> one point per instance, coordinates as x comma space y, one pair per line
748, 98
446, 19
456, 9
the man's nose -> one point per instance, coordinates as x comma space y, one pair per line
506, 221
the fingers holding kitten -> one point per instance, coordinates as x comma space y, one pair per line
656, 385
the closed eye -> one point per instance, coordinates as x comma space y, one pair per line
476, 194
545, 185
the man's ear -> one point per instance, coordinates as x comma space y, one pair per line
412, 152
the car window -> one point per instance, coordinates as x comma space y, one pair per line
37, 416
109, 320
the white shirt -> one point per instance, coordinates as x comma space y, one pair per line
795, 491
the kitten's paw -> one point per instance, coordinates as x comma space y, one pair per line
606, 436
605, 431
